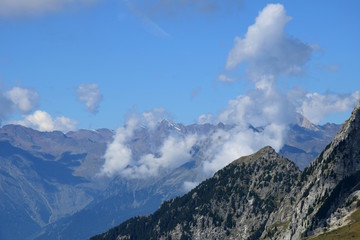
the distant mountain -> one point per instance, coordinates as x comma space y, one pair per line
263, 196
50, 188
45, 177
305, 141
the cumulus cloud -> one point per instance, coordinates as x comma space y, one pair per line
261, 106
316, 107
118, 156
261, 117
174, 152
267, 48
14, 8
90, 95
240, 141
17, 98
23, 99
43, 121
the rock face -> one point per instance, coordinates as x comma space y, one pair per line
328, 188
263, 196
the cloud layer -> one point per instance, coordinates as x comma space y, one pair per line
90, 95
119, 160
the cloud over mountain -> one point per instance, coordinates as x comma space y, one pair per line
316, 107
43, 121
119, 157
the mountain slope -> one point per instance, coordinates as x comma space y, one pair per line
329, 187
235, 202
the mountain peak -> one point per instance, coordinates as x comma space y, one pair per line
266, 153
236, 201
302, 121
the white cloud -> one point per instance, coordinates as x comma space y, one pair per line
11, 8
267, 48
43, 121
240, 141
118, 156
174, 152
263, 108
261, 116
90, 95
316, 107
23, 99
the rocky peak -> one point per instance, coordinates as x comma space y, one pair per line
233, 204
325, 185
305, 123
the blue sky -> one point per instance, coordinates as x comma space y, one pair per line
88, 63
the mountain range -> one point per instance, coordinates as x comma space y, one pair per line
266, 196
51, 189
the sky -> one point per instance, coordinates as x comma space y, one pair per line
71, 64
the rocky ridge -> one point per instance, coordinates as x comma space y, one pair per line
328, 188
234, 204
